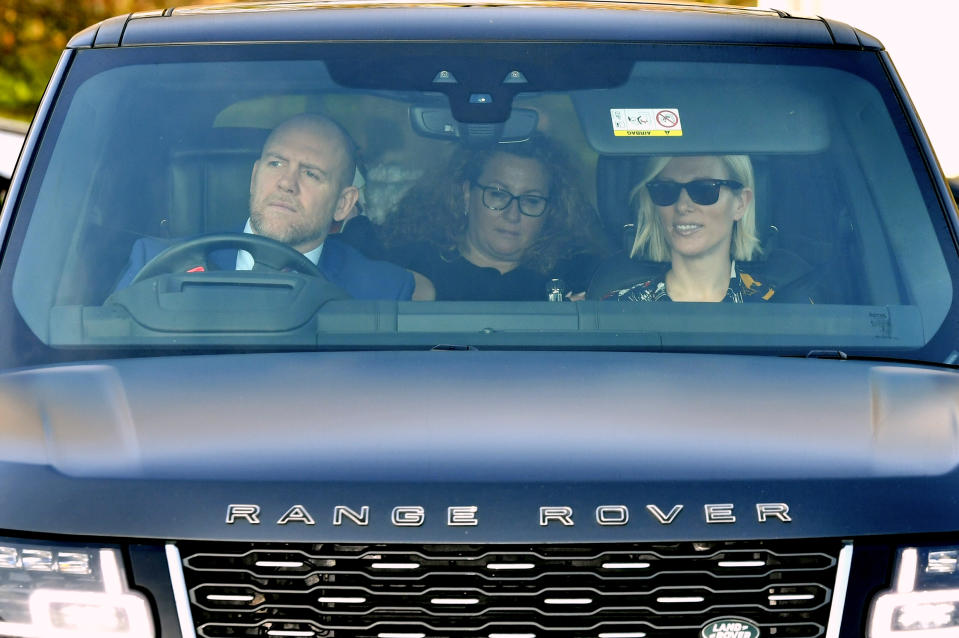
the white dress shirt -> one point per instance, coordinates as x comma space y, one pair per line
244, 260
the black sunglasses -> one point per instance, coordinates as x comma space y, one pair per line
702, 191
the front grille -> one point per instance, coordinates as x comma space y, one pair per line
506, 591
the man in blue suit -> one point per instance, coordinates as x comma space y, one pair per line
300, 185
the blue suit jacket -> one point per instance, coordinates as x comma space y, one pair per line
343, 265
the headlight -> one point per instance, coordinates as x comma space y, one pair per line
925, 601
62, 591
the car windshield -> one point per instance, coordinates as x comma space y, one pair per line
497, 196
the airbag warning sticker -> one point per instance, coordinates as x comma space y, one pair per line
643, 122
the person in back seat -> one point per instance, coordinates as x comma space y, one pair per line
696, 231
499, 225
301, 183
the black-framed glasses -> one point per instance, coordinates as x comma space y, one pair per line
496, 198
702, 191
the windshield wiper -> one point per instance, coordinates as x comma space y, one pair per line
453, 347
826, 354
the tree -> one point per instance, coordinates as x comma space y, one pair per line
33, 33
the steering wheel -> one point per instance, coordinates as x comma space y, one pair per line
267, 252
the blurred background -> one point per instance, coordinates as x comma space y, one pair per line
918, 35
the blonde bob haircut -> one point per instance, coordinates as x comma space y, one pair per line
650, 242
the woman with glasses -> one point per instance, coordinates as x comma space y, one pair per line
500, 225
696, 223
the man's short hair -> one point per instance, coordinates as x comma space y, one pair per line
331, 130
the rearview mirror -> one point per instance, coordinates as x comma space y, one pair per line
437, 121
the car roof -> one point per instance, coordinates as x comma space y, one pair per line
509, 20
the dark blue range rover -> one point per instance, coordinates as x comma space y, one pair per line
508, 320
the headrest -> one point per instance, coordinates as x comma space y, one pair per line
210, 181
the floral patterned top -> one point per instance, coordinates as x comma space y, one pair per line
743, 288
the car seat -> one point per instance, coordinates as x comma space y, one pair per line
209, 186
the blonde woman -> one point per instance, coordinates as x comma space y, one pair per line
696, 220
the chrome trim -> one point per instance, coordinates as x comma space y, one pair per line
603, 515
774, 598
180, 595
297, 514
843, 566
485, 583
777, 510
464, 515
230, 598
568, 601
719, 513
908, 570
349, 600
680, 599
408, 516
509, 566
562, 514
664, 519
454, 601
243, 510
468, 515
361, 518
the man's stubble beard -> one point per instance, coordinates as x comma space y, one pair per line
291, 231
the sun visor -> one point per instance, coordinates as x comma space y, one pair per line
671, 108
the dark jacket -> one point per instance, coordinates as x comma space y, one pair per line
343, 265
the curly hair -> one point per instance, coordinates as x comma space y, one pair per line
650, 242
432, 210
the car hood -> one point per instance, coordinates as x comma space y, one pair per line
464, 428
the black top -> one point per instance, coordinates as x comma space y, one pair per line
457, 279
454, 278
